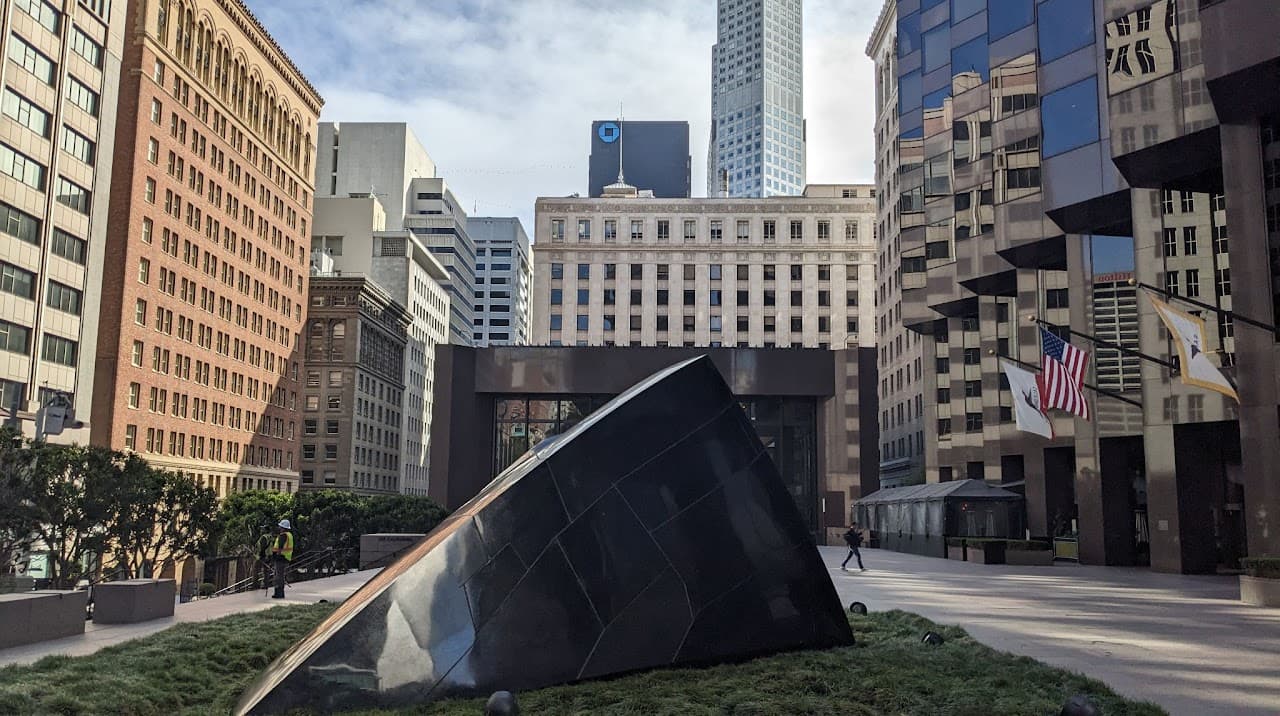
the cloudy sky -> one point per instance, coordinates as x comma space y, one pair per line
502, 92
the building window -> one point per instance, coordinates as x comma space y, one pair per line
1057, 298
770, 230
744, 231
557, 229
1170, 242
557, 321
149, 191
582, 323
1220, 244
63, 298
944, 426
1193, 283
58, 350
717, 230
14, 338
584, 229
1171, 282
557, 271
610, 230
21, 167
24, 112
972, 356
1188, 202
637, 230
973, 389
1224, 282
1189, 245
797, 230
1025, 178
31, 60
17, 281
584, 272
584, 297
81, 96
72, 195
557, 296
972, 422
19, 224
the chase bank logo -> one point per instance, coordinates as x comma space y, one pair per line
609, 132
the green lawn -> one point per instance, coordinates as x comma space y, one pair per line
202, 668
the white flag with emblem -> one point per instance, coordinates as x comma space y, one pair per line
1027, 413
1188, 335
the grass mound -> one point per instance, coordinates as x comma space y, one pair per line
202, 668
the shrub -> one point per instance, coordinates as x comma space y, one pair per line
1262, 567
1028, 545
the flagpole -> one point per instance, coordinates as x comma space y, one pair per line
1099, 391
1107, 344
1199, 304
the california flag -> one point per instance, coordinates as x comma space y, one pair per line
1026, 400
1188, 333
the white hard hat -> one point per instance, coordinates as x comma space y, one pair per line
284, 525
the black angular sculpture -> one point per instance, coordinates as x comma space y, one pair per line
654, 533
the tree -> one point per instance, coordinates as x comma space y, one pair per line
402, 514
70, 500
162, 515
16, 527
329, 520
245, 516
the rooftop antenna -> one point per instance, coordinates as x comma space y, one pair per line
621, 138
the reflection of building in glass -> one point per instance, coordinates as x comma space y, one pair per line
1115, 320
1001, 184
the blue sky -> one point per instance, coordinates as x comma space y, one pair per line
502, 93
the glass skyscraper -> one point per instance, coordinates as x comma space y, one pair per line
757, 143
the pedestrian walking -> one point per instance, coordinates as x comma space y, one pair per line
854, 539
281, 555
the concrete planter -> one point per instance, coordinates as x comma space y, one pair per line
34, 617
132, 601
1260, 592
956, 553
1029, 558
989, 553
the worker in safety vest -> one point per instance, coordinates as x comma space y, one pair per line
281, 555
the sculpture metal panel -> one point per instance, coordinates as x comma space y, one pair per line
655, 533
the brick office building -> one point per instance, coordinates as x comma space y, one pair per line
208, 248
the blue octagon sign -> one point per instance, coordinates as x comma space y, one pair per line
609, 132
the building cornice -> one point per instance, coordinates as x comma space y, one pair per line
888, 16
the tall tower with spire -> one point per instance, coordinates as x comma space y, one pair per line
757, 142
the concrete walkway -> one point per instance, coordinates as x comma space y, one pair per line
333, 589
1184, 642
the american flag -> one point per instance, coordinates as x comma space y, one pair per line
1062, 375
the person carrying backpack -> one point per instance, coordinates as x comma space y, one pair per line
854, 539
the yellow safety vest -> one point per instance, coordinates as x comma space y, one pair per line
287, 550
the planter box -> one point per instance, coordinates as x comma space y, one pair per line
987, 554
133, 600
1029, 558
956, 553
41, 616
1260, 592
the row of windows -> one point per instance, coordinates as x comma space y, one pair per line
662, 297
55, 349
689, 323
716, 230
742, 272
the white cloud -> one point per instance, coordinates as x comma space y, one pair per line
502, 92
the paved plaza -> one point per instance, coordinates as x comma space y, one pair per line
99, 636
1184, 642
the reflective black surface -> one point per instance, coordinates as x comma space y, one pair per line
656, 532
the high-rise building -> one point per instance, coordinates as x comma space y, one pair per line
757, 145
350, 240
207, 255
377, 158
504, 281
1039, 145
796, 272
386, 160
655, 156
62, 67
355, 403
899, 351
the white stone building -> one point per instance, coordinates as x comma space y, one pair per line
774, 272
504, 281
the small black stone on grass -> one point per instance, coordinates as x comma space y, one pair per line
1080, 705
858, 608
501, 703
933, 638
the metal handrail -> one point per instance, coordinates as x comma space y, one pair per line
308, 560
